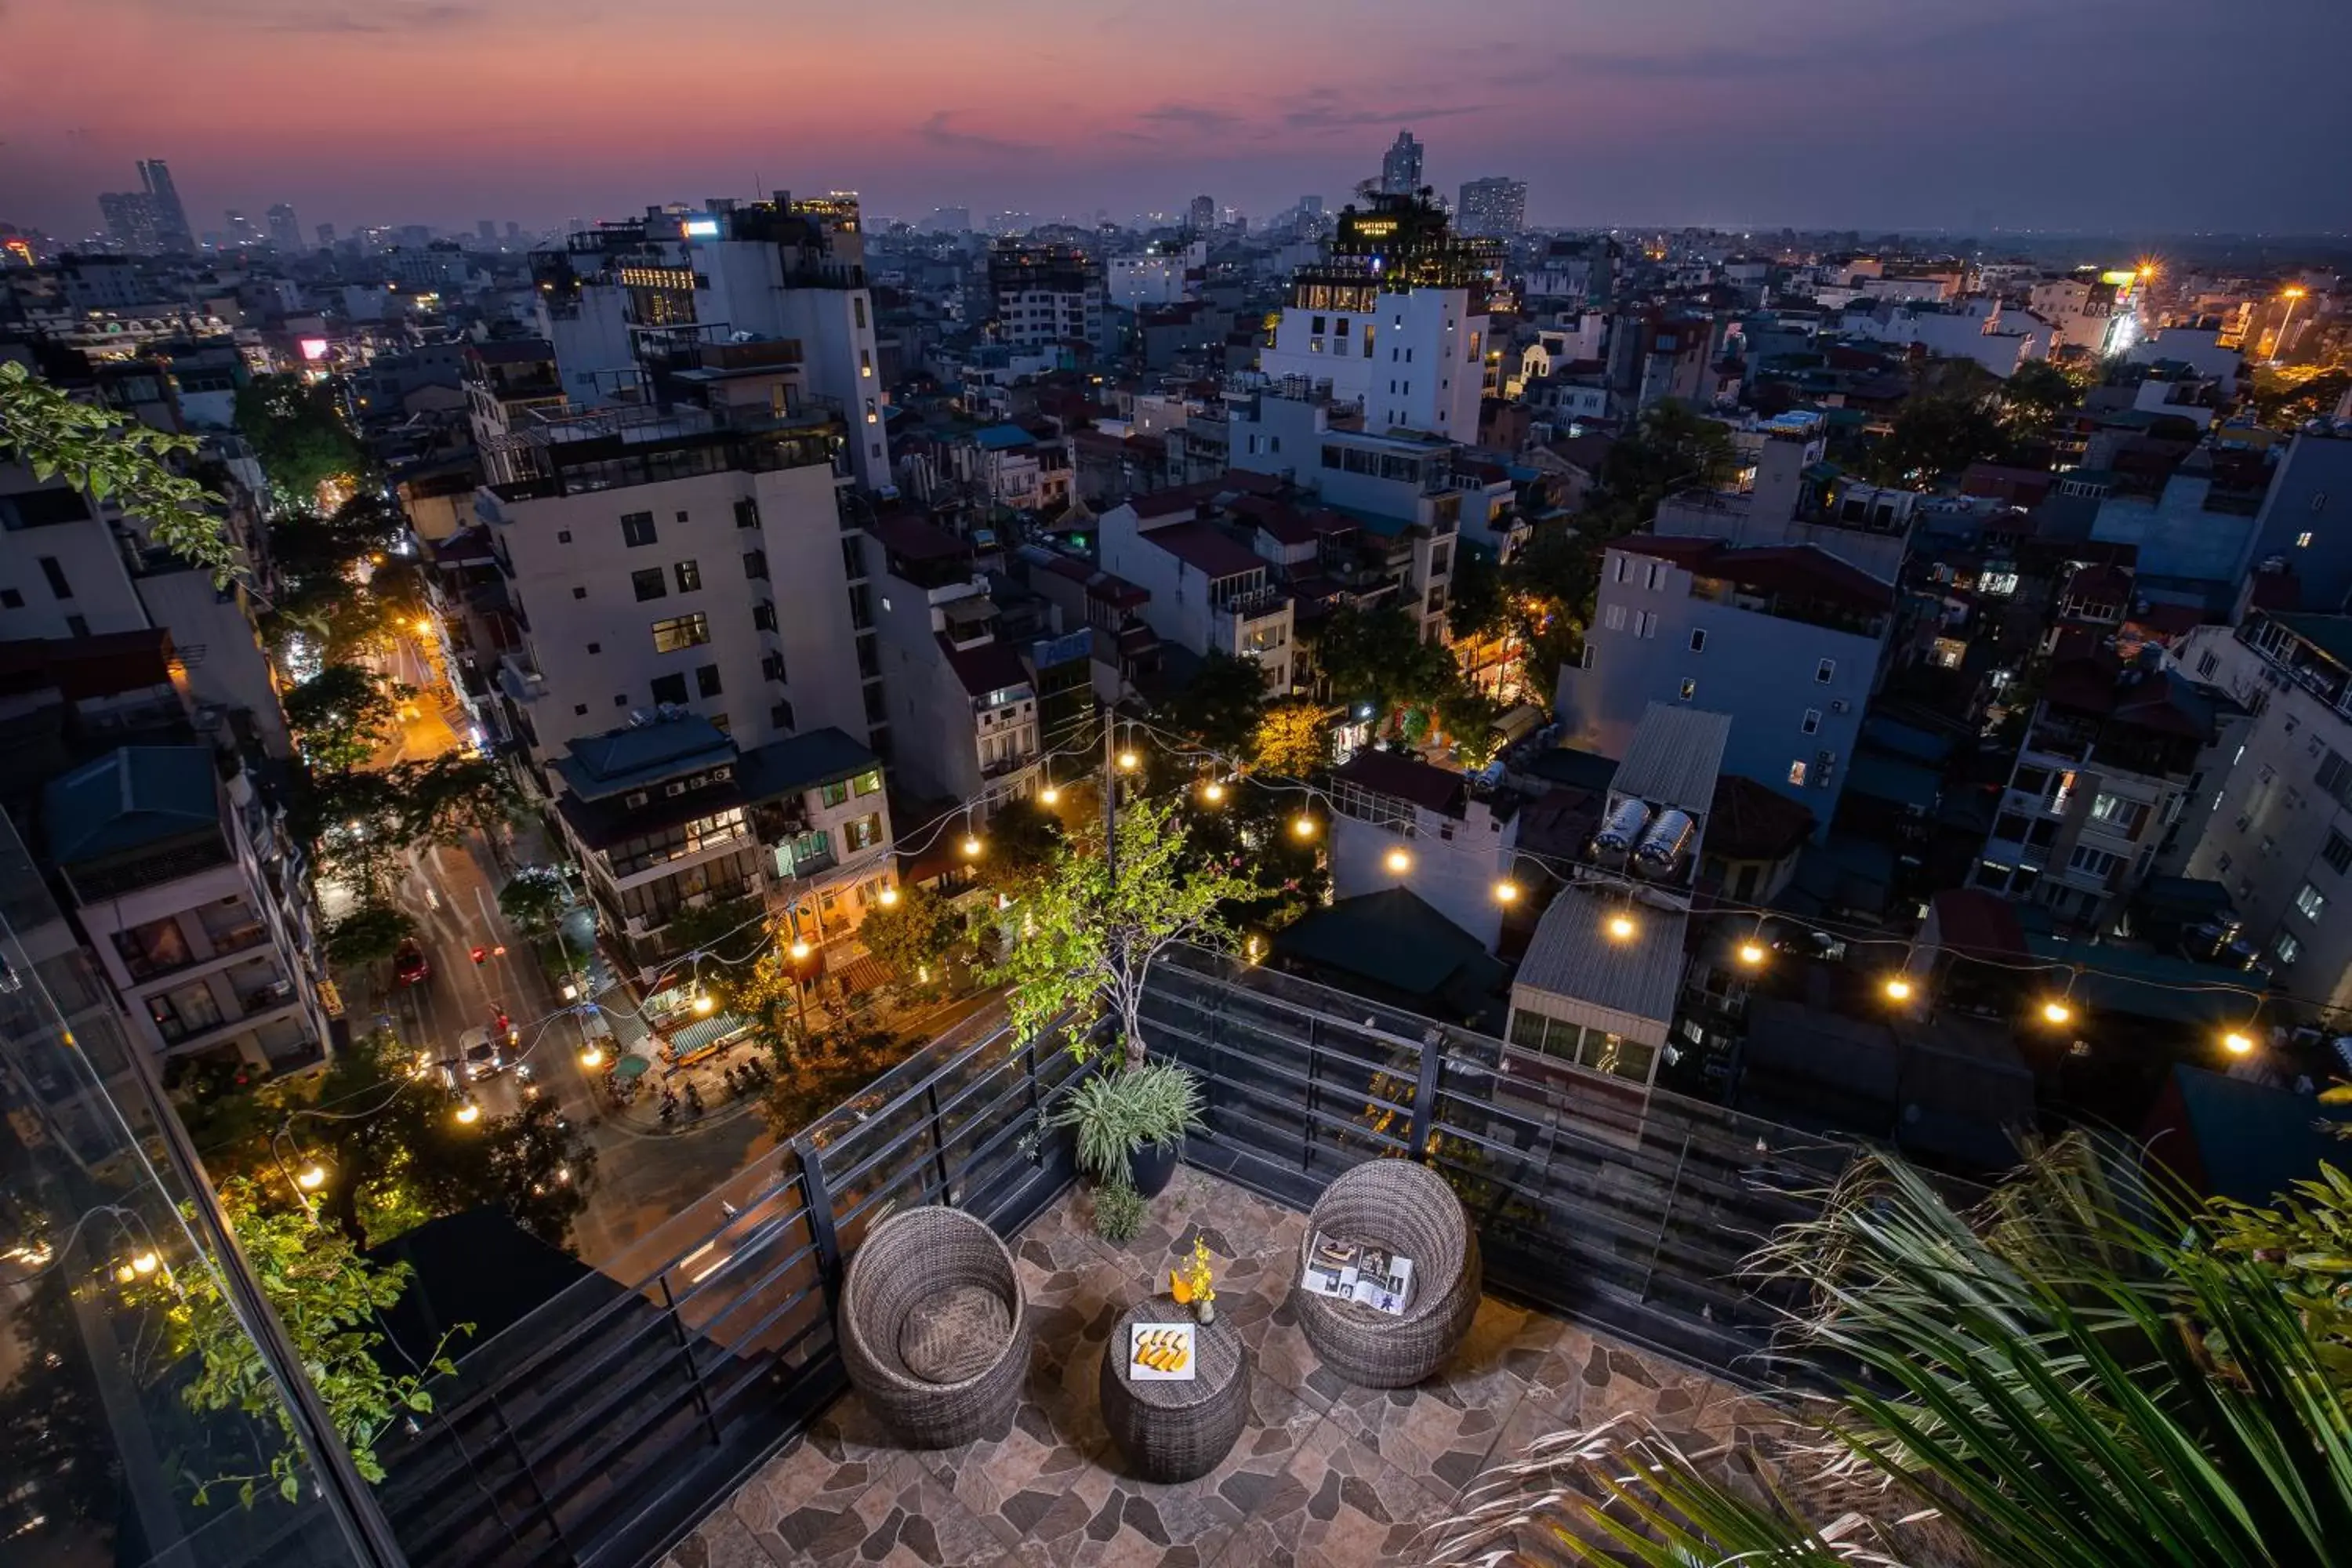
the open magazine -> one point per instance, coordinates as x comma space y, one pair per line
1356, 1272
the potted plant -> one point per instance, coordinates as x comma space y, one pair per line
1131, 1123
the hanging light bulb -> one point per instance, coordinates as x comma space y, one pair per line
1506, 891
972, 847
592, 1057
145, 1263
704, 1003
1899, 989
1621, 927
2237, 1042
469, 1113
311, 1177
890, 898
1397, 861
1212, 792
1302, 826
2055, 1011
800, 949
1127, 762
1049, 796
1751, 952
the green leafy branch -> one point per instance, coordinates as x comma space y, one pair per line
109, 457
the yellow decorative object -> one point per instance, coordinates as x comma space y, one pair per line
1180, 1288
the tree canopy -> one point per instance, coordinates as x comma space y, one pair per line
1293, 739
343, 715
369, 935
1377, 656
915, 932
533, 898
1219, 706
296, 431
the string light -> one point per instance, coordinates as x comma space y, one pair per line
2060, 1010
1751, 952
1049, 796
469, 1113
2237, 1042
1621, 927
592, 1057
311, 1177
972, 847
1302, 826
1899, 989
1397, 861
703, 1004
1506, 891
800, 950
1212, 792
890, 898
1127, 762
144, 1263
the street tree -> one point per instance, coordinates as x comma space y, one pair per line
343, 715
108, 456
1092, 930
729, 931
298, 434
1219, 706
1551, 584
1293, 740
2034, 395
912, 934
1468, 715
1377, 657
332, 1300
369, 935
1475, 603
1017, 848
541, 1168
534, 898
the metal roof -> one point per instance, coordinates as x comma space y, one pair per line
1573, 956
1674, 756
130, 797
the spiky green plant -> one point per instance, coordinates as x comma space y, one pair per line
1119, 1211
1117, 1113
2069, 1375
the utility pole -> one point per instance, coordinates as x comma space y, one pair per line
1110, 797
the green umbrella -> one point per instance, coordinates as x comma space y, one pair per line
628, 1068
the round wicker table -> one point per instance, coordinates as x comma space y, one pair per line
1174, 1431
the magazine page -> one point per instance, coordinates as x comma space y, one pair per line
1331, 1266
1383, 1280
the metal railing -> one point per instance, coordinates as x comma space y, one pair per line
599, 1427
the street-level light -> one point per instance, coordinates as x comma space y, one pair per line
145, 1263
703, 1004
1049, 796
800, 949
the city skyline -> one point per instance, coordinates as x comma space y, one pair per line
1820, 113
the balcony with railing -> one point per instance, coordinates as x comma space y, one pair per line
689, 1394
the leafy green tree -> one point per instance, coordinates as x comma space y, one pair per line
343, 715
2034, 395
369, 935
296, 431
1293, 740
913, 933
534, 897
1468, 715
361, 824
540, 1167
331, 1299
1377, 656
1018, 847
2069, 1374
109, 456
1090, 934
729, 931
2282, 400
1671, 448
1934, 436
1476, 606
1551, 584
1219, 706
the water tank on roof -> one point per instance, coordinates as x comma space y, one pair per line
1661, 849
1621, 832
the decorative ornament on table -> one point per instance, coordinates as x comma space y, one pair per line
1194, 1286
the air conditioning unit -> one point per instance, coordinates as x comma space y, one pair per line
634, 797
1839, 705
674, 788
723, 772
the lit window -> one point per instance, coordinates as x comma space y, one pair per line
2311, 902
681, 631
1690, 689
2287, 949
1795, 772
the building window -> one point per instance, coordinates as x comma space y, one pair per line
1657, 575
689, 576
2337, 853
857, 304
832, 794
1646, 624
76, 626
681, 631
747, 513
1812, 722
579, 592
780, 715
1624, 567
2206, 664
56, 577
2302, 539
649, 584
2287, 949
706, 679
1689, 689
868, 782
562, 536
1698, 641
2092, 862
1825, 672
2125, 817
1795, 772
772, 667
853, 558
580, 710
2311, 902
11, 600
670, 689
755, 563
862, 832
764, 615
637, 528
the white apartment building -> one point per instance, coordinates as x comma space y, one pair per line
621, 299
1208, 592
174, 875
2279, 835
1045, 294
964, 705
1412, 359
699, 560
1154, 277
2090, 310
1455, 846
1975, 328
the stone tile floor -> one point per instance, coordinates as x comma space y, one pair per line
1324, 1473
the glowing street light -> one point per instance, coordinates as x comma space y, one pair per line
1212, 792
1127, 762
311, 1177
800, 950
1049, 796
890, 898
469, 1113
970, 847
703, 1004
145, 1263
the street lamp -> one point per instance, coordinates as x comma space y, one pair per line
311, 1177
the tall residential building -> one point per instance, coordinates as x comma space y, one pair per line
284, 232
241, 231
486, 232
131, 221
1400, 167
1496, 206
1204, 215
326, 237
1045, 293
618, 298
172, 228
1394, 320
644, 547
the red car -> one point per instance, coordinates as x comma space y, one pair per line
409, 964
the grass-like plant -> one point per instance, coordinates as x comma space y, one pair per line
1116, 1113
1119, 1211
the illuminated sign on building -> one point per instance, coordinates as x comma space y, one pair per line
699, 228
314, 348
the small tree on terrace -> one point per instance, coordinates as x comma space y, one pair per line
533, 898
914, 932
1092, 932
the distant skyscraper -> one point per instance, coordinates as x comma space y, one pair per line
486, 232
284, 232
1401, 169
1204, 214
172, 230
326, 237
241, 230
514, 230
1310, 207
131, 221
1496, 206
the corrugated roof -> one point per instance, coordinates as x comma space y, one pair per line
1674, 756
131, 796
1573, 956
1004, 438
618, 760
991, 667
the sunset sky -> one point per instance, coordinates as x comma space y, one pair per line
2146, 116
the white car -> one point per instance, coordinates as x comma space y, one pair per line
479, 1055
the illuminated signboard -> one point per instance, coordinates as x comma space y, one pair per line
314, 348
699, 228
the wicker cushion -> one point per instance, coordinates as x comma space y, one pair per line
954, 1335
